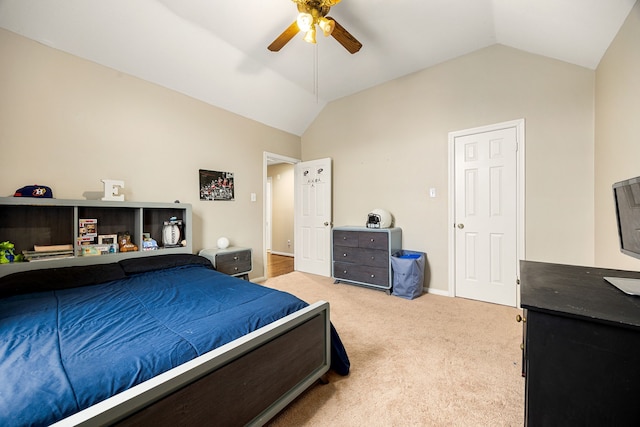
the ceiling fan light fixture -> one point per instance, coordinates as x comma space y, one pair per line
312, 13
310, 37
305, 21
326, 25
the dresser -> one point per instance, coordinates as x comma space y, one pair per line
362, 256
581, 346
234, 261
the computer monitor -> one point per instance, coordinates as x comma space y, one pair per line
626, 195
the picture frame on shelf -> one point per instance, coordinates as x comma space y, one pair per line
107, 239
110, 240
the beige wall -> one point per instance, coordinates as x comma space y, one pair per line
68, 123
282, 182
389, 146
617, 136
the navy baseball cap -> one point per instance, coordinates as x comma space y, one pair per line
39, 191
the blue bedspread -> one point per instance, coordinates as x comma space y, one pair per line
64, 350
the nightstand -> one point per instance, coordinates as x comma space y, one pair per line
234, 261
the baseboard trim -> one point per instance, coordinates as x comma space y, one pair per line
436, 292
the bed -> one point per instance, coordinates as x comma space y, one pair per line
161, 340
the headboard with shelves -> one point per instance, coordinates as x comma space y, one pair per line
30, 221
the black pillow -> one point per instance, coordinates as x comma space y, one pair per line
160, 262
50, 279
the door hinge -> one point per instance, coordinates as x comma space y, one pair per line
517, 281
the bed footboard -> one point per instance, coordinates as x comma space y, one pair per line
245, 382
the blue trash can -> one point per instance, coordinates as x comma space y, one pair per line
408, 273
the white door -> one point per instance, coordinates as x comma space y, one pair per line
312, 249
486, 224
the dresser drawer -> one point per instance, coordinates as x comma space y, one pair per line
345, 238
373, 240
369, 257
361, 273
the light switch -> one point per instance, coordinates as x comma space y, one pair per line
432, 192
253, 197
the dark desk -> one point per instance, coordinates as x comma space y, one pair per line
582, 347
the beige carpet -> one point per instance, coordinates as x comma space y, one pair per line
431, 361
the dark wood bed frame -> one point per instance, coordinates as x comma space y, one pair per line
245, 382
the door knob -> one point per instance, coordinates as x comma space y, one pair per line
461, 226
326, 223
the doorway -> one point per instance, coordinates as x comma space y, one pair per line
278, 214
486, 212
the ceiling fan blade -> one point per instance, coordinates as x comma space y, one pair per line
318, 3
284, 38
345, 38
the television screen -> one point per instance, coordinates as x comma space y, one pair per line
627, 200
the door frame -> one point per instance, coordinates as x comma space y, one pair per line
265, 158
268, 213
519, 125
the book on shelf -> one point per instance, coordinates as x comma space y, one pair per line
41, 254
49, 248
48, 258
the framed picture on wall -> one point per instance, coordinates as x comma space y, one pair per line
216, 185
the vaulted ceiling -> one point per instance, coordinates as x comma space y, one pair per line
216, 50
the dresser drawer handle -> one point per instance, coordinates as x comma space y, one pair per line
235, 258
344, 237
345, 271
372, 257
344, 255
373, 240
235, 268
373, 275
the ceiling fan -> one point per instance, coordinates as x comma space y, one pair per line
312, 13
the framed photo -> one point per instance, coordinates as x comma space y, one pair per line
110, 241
216, 185
107, 239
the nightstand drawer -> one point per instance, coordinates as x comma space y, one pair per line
234, 269
233, 257
234, 262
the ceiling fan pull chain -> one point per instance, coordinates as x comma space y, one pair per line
315, 73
